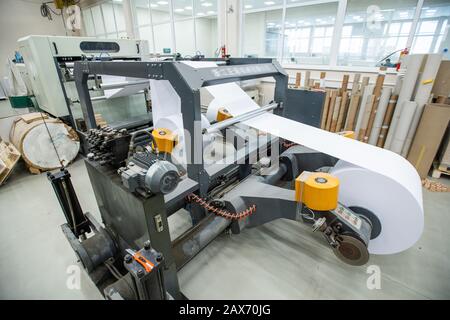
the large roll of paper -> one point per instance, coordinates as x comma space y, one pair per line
380, 194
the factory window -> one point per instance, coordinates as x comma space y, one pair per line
262, 28
206, 27
308, 33
187, 27
296, 31
372, 31
105, 20
431, 27
183, 16
342, 32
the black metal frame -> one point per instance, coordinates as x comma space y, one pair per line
187, 82
143, 213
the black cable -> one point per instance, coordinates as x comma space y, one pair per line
46, 10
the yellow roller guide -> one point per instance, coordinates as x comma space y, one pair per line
317, 190
223, 114
165, 140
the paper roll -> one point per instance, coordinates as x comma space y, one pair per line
368, 90
401, 228
381, 112
231, 97
365, 119
396, 179
403, 125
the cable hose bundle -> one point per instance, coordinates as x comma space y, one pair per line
221, 212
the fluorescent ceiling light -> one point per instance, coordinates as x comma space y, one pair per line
162, 2
269, 3
211, 12
188, 8
207, 4
153, 5
248, 6
179, 10
200, 14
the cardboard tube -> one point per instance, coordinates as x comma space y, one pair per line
331, 109
413, 64
381, 112
368, 90
298, 79
342, 112
377, 93
326, 107
352, 111
307, 78
364, 84
344, 84
337, 107
365, 118
355, 85
423, 93
403, 125
322, 79
387, 121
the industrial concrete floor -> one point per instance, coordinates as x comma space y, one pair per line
280, 260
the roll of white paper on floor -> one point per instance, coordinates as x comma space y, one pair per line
381, 112
412, 63
423, 93
403, 125
387, 184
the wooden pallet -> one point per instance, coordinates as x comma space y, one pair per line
438, 170
8, 159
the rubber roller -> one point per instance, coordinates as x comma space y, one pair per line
317, 190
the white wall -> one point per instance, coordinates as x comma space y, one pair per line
19, 18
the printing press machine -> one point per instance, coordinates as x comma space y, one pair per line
138, 184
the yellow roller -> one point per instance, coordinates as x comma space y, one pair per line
223, 114
165, 140
317, 190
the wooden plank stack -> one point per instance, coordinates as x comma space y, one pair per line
343, 105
